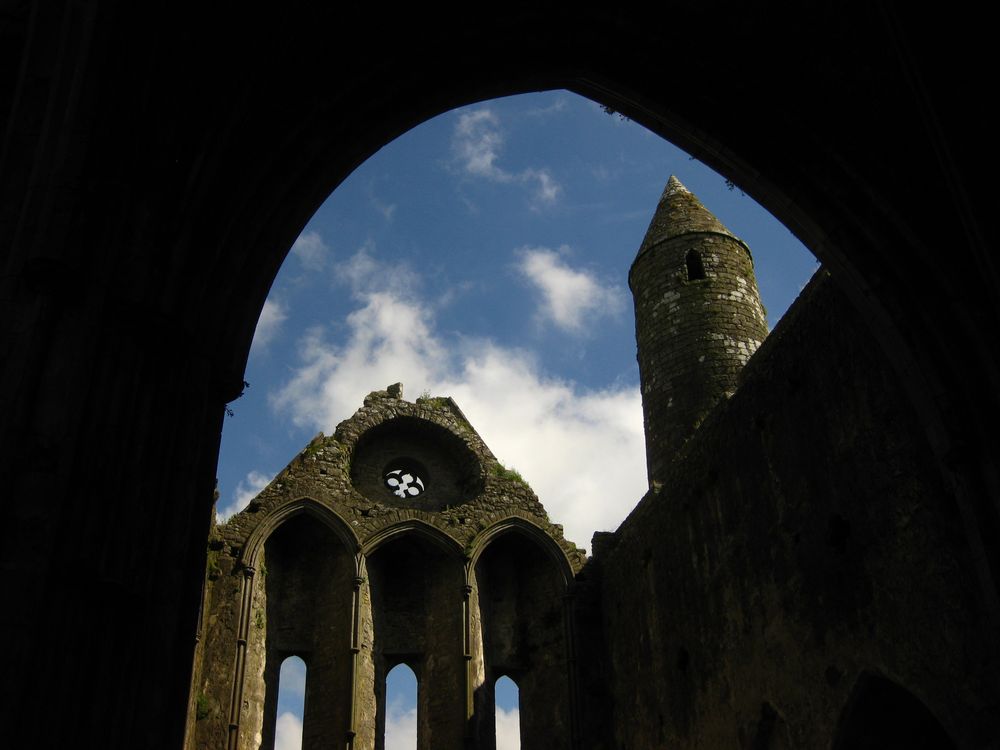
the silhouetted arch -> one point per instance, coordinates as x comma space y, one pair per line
307, 506
227, 196
525, 528
415, 575
416, 528
881, 715
854, 235
280, 729
504, 722
300, 569
394, 726
518, 576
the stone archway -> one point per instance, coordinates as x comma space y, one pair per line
881, 714
151, 188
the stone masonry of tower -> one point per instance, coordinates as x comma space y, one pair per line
698, 318
793, 578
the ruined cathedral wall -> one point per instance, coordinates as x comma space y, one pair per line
219, 632
803, 537
322, 473
330, 564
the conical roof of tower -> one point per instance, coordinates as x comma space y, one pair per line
680, 212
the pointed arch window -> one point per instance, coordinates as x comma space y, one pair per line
291, 704
401, 689
507, 712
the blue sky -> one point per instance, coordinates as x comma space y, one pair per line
484, 255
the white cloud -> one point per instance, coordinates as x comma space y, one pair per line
559, 105
477, 143
268, 324
288, 732
245, 491
547, 191
311, 251
400, 727
581, 450
569, 298
389, 339
388, 210
367, 275
508, 728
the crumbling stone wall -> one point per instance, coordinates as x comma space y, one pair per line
417, 614
221, 631
308, 575
329, 564
522, 600
803, 537
322, 472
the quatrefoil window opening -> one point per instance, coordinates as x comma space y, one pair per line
404, 479
403, 483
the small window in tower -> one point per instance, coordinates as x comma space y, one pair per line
695, 268
405, 478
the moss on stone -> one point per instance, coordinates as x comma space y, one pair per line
436, 402
212, 569
315, 446
511, 475
201, 709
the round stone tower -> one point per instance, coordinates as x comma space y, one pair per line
698, 318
